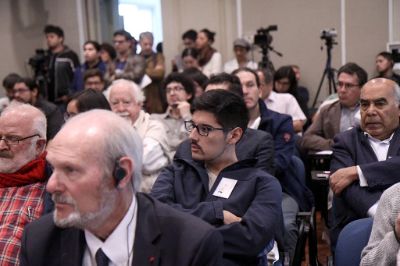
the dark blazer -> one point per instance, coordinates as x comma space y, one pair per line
352, 148
163, 236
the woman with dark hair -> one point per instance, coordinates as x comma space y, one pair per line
199, 79
210, 61
84, 101
285, 82
107, 53
190, 58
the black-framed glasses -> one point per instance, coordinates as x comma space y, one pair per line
202, 129
15, 140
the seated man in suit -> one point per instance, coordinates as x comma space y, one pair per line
242, 201
366, 159
338, 116
22, 175
98, 215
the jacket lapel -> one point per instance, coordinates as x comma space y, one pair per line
146, 249
73, 246
394, 144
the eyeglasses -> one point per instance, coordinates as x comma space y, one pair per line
119, 41
174, 89
21, 90
347, 86
15, 140
202, 129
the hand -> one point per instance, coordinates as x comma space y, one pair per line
342, 178
184, 109
230, 217
397, 227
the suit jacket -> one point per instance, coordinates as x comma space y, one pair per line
352, 148
319, 136
163, 236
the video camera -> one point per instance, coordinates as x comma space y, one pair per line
263, 37
328, 34
37, 61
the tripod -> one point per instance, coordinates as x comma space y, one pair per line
265, 63
329, 72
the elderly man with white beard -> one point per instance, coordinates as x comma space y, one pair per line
126, 99
22, 175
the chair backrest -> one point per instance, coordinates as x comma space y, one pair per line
352, 239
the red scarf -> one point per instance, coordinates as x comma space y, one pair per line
30, 173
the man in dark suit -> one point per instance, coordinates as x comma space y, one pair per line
98, 217
366, 159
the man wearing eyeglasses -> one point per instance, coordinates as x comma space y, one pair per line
22, 174
366, 159
340, 115
240, 200
26, 90
179, 91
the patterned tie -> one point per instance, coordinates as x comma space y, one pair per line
101, 258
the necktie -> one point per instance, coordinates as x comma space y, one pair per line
101, 258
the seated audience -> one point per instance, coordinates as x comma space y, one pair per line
302, 91
86, 100
94, 79
190, 58
189, 42
340, 115
283, 103
22, 175
155, 69
366, 159
126, 100
179, 94
384, 67
8, 84
91, 52
241, 201
99, 218
210, 60
27, 91
383, 245
241, 48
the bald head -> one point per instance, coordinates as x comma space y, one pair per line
379, 101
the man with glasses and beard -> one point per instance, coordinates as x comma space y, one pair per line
22, 175
99, 219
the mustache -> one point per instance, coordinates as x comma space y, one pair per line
5, 154
194, 142
58, 198
123, 114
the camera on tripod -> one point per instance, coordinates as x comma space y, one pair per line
38, 60
263, 37
328, 34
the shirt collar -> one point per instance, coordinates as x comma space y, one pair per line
385, 141
115, 245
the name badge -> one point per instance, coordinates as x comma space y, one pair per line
225, 188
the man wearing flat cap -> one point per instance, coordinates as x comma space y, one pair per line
241, 48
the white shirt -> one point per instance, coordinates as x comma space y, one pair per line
214, 66
255, 124
118, 247
380, 148
285, 103
233, 64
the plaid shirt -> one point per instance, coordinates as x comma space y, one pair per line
18, 207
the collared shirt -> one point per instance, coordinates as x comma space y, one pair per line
380, 148
256, 123
349, 117
233, 64
118, 246
285, 103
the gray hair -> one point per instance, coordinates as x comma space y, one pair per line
146, 35
118, 139
39, 121
133, 87
396, 89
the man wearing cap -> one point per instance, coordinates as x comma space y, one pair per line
241, 48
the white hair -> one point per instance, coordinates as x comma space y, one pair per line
146, 35
39, 121
397, 92
118, 139
134, 88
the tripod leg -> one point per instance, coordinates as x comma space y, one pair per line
320, 86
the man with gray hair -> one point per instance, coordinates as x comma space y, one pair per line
99, 219
22, 174
366, 159
155, 69
126, 100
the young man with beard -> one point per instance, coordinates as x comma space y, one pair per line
126, 99
240, 200
99, 219
22, 175
27, 91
